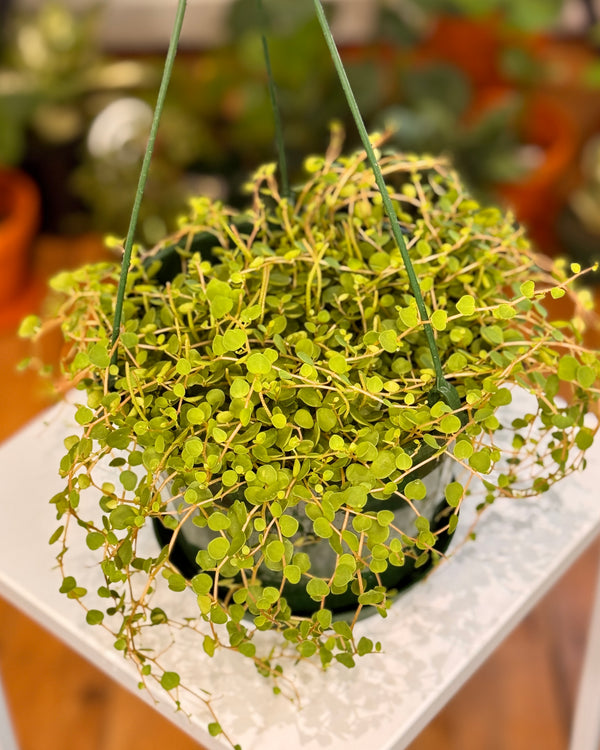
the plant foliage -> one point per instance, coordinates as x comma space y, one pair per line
272, 366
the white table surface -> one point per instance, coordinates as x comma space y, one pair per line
434, 638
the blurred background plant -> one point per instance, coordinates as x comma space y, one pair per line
47, 61
54, 78
492, 83
209, 142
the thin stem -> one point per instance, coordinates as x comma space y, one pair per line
166, 77
442, 385
283, 170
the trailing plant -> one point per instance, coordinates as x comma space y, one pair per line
288, 378
577, 224
273, 379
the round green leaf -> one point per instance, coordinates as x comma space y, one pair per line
122, 517
450, 424
527, 289
336, 443
258, 364
505, 311
415, 490
202, 584
466, 305
374, 384
456, 362
567, 368
303, 418
183, 367
322, 528
83, 415
383, 465
196, 416
279, 421
584, 439
218, 548
463, 450
177, 582
389, 341
317, 588
229, 478
409, 316
194, 446
219, 435
288, 525
356, 497
439, 320
338, 364
343, 575
385, 517
454, 493
99, 356
493, 334
239, 388
169, 680
403, 462
362, 523
365, 646
234, 339
326, 419
275, 551
94, 540
94, 617
220, 306
129, 480
481, 461
218, 521
585, 376
292, 573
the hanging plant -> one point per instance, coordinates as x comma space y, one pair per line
271, 397
296, 397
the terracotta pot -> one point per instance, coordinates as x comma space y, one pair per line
478, 45
473, 45
19, 218
549, 127
550, 132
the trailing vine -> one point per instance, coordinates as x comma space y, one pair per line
271, 387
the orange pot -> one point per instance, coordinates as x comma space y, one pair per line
19, 218
536, 198
476, 46
551, 131
473, 45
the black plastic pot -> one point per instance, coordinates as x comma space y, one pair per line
191, 539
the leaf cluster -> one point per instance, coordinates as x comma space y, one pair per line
273, 387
